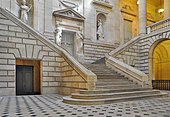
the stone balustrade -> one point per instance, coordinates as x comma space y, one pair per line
158, 25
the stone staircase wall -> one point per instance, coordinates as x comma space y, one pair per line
61, 73
130, 56
128, 53
94, 51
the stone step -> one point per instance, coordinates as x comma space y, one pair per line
109, 75
118, 86
94, 65
112, 95
105, 73
100, 66
103, 91
98, 83
101, 70
74, 101
87, 64
113, 79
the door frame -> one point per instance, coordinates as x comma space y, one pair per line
37, 76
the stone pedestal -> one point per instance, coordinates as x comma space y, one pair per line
142, 17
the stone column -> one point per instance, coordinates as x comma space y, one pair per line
166, 9
0, 3
142, 17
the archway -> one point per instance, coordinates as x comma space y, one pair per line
160, 64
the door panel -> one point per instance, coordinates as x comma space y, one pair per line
24, 80
67, 42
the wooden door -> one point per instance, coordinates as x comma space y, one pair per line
24, 80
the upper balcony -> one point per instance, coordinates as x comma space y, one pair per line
158, 26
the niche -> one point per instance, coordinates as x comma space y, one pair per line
101, 26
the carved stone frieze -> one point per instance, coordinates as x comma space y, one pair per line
69, 13
104, 3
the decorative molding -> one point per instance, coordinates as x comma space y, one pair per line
69, 14
102, 3
129, 13
68, 4
70, 26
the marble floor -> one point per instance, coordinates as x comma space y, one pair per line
52, 106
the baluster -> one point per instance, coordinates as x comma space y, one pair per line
161, 84
167, 87
166, 23
169, 84
165, 84
159, 25
158, 85
163, 24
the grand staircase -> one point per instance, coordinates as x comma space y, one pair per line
110, 87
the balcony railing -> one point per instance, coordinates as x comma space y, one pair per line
158, 25
161, 84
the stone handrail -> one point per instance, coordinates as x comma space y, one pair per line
86, 74
123, 47
128, 71
158, 25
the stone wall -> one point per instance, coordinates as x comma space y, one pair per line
130, 56
15, 43
128, 52
94, 51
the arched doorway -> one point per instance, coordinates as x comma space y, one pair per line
160, 64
